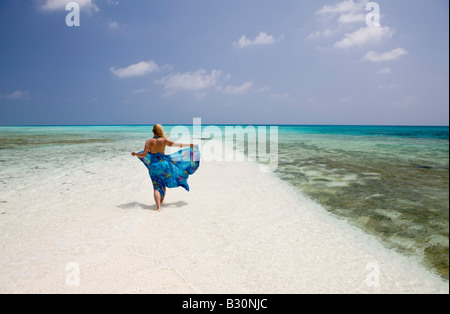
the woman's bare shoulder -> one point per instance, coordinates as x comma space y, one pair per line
168, 142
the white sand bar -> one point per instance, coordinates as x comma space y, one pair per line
238, 231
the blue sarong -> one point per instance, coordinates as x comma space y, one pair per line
172, 171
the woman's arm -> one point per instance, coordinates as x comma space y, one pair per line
182, 145
145, 153
173, 144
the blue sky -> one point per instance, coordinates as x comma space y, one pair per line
228, 62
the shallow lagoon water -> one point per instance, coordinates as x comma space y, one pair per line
392, 182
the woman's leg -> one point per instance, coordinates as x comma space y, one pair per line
157, 196
158, 192
163, 196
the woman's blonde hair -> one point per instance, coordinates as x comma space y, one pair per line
158, 130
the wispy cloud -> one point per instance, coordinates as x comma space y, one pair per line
346, 12
237, 90
139, 69
344, 7
54, 5
314, 35
18, 95
352, 17
113, 25
200, 81
325, 33
190, 81
112, 2
364, 36
260, 40
348, 20
395, 54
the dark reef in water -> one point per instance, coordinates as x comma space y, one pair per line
424, 167
39, 140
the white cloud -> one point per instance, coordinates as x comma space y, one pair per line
352, 17
18, 95
113, 25
190, 81
348, 11
53, 5
314, 35
199, 81
166, 68
342, 7
238, 90
344, 16
139, 69
374, 56
364, 36
325, 33
262, 39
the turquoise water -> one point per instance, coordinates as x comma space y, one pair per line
392, 182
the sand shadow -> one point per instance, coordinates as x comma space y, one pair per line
131, 205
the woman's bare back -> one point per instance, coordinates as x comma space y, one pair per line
158, 145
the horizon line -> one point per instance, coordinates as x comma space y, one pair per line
224, 124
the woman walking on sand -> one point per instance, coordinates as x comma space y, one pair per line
168, 171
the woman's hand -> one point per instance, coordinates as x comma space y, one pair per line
133, 154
